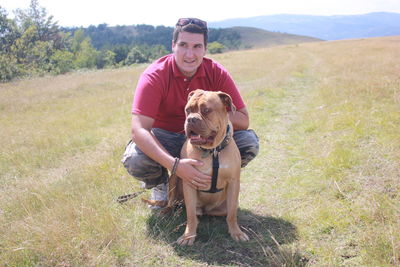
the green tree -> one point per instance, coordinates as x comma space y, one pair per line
8, 67
8, 35
215, 48
230, 38
109, 58
157, 51
136, 55
105, 58
8, 32
22, 48
33, 43
77, 40
86, 56
40, 55
121, 52
47, 30
62, 61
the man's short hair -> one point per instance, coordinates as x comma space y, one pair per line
191, 27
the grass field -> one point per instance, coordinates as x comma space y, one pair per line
323, 191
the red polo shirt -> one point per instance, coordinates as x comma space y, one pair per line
162, 90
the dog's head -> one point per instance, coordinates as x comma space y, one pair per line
207, 117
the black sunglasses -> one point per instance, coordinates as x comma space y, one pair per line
186, 21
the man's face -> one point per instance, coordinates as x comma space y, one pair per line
189, 51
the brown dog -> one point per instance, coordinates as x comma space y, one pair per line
210, 135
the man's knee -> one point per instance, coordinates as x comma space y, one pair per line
143, 168
248, 144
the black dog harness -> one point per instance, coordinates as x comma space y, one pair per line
215, 161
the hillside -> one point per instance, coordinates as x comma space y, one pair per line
323, 191
232, 38
323, 27
255, 38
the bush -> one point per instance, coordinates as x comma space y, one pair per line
62, 61
8, 67
215, 48
136, 55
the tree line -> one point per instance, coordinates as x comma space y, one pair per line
32, 44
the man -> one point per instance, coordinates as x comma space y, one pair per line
158, 111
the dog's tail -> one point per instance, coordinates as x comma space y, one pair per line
160, 203
174, 197
169, 204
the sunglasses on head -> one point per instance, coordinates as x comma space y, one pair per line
186, 21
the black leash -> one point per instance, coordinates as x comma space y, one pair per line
125, 198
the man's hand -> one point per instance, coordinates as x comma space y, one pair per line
194, 178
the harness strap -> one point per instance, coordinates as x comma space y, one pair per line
215, 161
214, 180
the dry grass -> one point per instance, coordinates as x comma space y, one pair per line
323, 191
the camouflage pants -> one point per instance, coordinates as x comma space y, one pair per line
152, 173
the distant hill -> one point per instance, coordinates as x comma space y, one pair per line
232, 38
323, 27
254, 37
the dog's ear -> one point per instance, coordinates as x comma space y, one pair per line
190, 95
227, 101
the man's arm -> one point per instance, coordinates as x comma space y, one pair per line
240, 119
148, 143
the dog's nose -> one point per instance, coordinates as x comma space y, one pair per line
192, 119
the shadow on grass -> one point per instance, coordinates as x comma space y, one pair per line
214, 246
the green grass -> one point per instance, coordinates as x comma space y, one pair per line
323, 191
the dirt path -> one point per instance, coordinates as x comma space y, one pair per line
275, 161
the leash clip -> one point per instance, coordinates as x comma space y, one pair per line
215, 152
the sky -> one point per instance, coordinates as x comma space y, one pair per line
69, 13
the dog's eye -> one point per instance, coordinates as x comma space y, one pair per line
187, 110
206, 110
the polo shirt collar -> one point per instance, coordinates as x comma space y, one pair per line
177, 73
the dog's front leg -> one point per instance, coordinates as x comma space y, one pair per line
232, 206
189, 236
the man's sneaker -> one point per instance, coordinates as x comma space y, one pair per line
159, 193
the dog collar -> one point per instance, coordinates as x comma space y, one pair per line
221, 146
215, 162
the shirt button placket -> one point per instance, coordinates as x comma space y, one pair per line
188, 87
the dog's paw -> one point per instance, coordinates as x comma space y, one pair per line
186, 240
240, 236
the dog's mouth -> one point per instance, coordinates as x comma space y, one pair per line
197, 139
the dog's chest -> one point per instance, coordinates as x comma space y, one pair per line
228, 161
225, 172
223, 169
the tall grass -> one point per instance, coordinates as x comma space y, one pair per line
335, 164
323, 191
